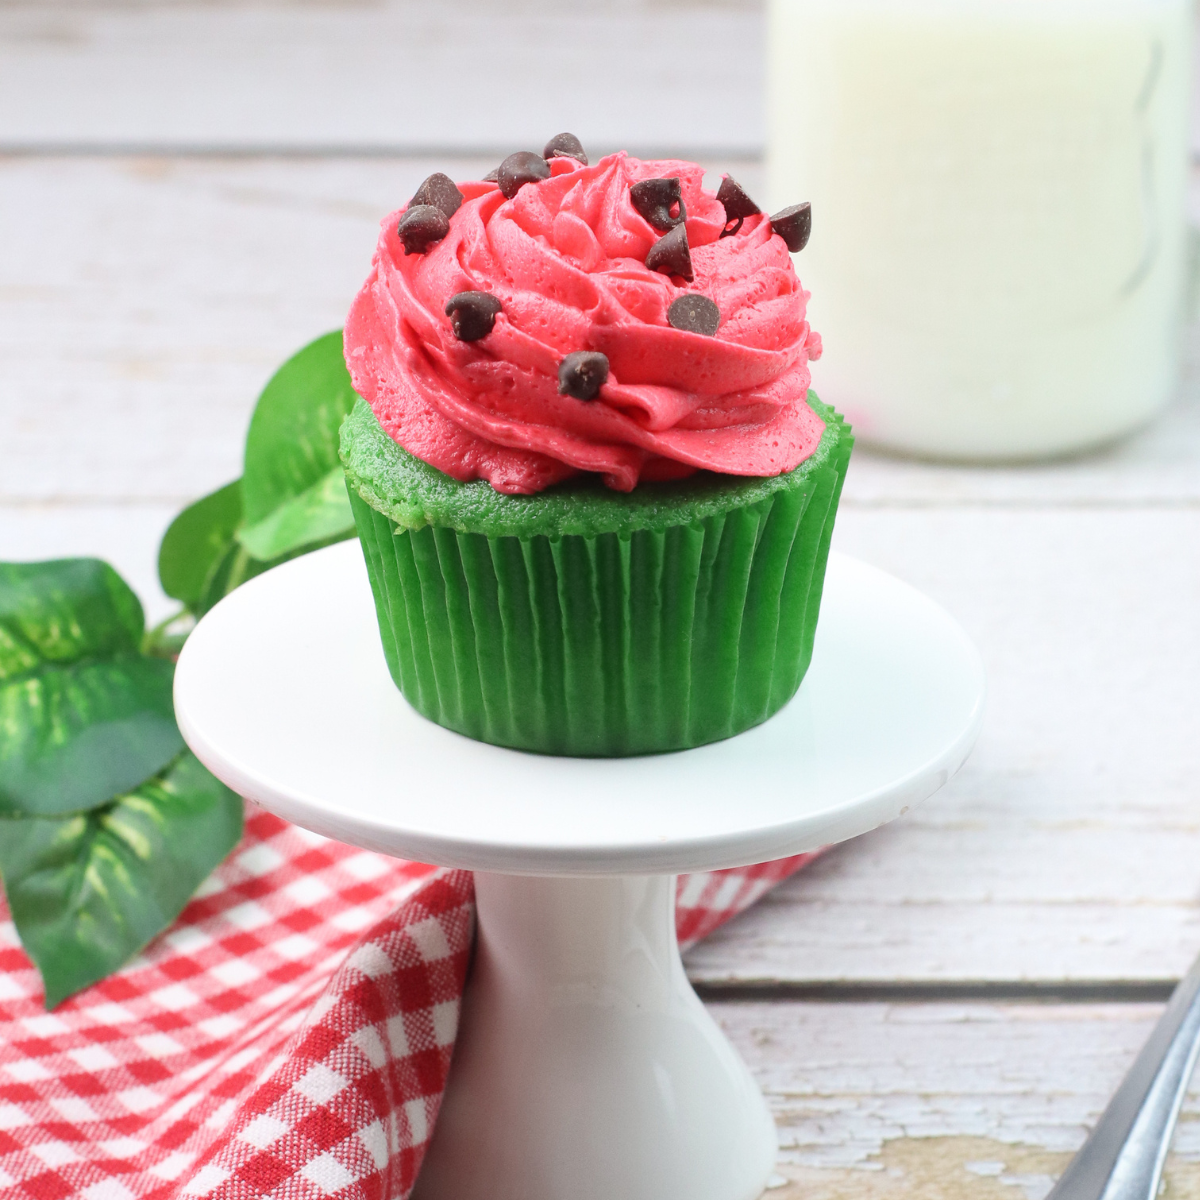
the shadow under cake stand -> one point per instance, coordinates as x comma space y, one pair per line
585, 1067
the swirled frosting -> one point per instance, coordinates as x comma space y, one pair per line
566, 258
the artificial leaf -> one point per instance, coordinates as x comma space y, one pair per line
196, 542
62, 611
239, 565
89, 890
292, 443
235, 567
72, 737
200, 559
292, 497
83, 715
321, 513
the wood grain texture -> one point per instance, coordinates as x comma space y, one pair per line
144, 302
974, 1102
380, 75
1069, 846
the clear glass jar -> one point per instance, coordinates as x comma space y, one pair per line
997, 259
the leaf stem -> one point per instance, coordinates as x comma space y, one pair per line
159, 643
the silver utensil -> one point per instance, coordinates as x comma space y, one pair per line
1124, 1156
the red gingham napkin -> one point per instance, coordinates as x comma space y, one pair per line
288, 1037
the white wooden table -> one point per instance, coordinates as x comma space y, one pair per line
190, 192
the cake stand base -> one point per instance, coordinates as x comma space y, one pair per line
585, 1066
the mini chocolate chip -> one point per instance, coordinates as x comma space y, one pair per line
421, 226
565, 145
654, 199
492, 175
793, 225
519, 169
695, 313
738, 206
472, 314
671, 254
582, 374
440, 191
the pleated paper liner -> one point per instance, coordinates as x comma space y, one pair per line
690, 620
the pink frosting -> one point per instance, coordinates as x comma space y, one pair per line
565, 257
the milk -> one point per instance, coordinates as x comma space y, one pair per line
998, 247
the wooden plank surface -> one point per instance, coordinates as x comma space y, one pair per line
966, 1102
395, 74
1069, 846
144, 301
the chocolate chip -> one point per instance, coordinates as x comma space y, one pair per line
738, 206
695, 313
671, 254
472, 314
421, 226
440, 191
492, 175
519, 169
654, 199
793, 225
582, 374
565, 145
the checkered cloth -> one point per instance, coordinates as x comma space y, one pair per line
288, 1037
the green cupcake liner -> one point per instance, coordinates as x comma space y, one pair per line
631, 641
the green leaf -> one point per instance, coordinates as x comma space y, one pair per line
82, 715
292, 497
319, 514
200, 559
63, 611
72, 737
293, 439
89, 891
236, 566
196, 542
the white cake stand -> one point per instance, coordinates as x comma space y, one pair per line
585, 1067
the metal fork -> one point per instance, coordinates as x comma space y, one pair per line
1124, 1156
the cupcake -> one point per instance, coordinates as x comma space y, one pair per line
592, 487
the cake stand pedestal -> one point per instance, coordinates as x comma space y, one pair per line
585, 1066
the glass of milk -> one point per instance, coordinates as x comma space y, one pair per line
998, 252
